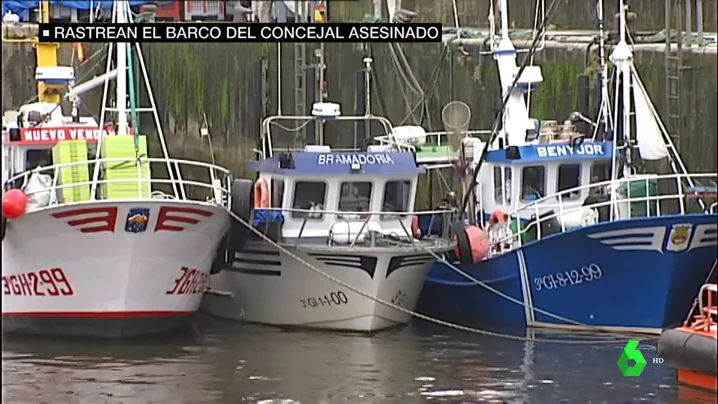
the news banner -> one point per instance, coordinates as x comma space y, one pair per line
247, 32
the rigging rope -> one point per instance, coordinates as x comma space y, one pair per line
424, 317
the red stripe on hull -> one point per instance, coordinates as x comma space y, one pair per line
99, 314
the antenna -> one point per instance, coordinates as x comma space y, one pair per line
279, 78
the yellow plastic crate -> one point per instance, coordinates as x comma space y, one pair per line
124, 147
72, 151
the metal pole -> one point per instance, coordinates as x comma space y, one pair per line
626, 83
689, 19
367, 91
504, 20
604, 69
279, 78
320, 87
121, 80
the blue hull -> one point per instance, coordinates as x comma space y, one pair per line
641, 273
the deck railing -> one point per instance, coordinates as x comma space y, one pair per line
433, 139
619, 206
215, 183
302, 122
366, 217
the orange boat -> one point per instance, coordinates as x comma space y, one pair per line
692, 348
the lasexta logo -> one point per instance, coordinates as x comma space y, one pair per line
631, 353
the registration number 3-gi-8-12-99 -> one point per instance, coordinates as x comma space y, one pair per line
332, 299
589, 273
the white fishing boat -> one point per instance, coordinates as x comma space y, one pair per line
349, 215
94, 241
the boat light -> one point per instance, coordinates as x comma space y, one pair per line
356, 167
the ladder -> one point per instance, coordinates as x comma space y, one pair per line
674, 67
300, 54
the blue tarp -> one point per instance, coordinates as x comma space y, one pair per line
24, 8
264, 216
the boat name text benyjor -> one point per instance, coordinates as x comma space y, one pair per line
565, 150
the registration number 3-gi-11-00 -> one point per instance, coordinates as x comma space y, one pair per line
558, 280
327, 300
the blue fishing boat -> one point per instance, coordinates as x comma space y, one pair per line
571, 230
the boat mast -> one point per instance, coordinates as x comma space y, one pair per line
621, 57
121, 84
604, 107
505, 55
504, 21
47, 57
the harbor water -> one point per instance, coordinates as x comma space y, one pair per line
225, 362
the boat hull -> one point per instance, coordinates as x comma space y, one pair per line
640, 275
109, 268
264, 285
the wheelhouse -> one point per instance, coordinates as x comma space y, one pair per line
316, 188
31, 133
519, 175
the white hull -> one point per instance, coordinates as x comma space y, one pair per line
120, 281
264, 285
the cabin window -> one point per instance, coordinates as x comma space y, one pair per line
498, 186
277, 192
309, 195
355, 197
38, 158
600, 172
534, 183
396, 197
569, 176
507, 184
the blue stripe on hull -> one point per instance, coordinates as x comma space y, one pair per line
642, 282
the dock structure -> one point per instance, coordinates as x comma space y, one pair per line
19, 32
707, 43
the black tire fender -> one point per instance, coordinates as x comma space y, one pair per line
243, 199
463, 244
688, 350
3, 226
220, 256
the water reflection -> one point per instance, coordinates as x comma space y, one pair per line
319, 367
43, 370
225, 362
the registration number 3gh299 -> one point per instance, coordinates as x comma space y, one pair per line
589, 273
47, 282
191, 281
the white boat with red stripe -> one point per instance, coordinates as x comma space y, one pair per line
80, 259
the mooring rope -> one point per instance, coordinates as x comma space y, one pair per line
430, 319
519, 302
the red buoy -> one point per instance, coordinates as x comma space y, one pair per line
14, 204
